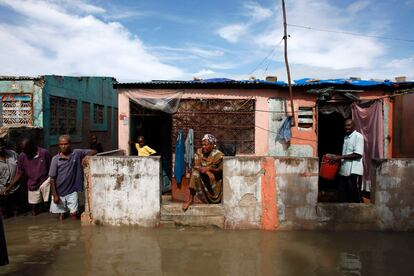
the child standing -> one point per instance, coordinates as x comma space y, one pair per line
142, 148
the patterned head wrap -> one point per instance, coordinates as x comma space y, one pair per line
210, 139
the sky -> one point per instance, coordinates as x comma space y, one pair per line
145, 40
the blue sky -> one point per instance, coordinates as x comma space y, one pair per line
150, 39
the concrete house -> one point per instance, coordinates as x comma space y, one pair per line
249, 114
273, 180
53, 105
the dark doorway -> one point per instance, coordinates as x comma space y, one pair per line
330, 140
155, 126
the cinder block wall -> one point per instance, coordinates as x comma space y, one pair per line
123, 191
280, 193
394, 194
270, 193
242, 192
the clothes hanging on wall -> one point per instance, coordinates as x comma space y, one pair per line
179, 164
370, 123
189, 149
284, 133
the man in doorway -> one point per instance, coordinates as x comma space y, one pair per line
66, 177
34, 162
351, 164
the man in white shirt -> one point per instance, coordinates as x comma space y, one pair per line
351, 164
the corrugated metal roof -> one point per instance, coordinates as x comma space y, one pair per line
18, 78
208, 83
246, 84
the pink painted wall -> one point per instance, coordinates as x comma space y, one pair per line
262, 116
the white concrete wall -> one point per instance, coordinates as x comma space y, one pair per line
297, 187
242, 192
394, 194
125, 190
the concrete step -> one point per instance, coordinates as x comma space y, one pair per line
196, 215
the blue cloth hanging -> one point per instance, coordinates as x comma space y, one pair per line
179, 164
284, 133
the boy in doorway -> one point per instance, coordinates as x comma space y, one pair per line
142, 148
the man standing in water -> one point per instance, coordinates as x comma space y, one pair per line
351, 164
8, 165
66, 177
34, 162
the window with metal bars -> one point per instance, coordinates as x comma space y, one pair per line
231, 121
62, 115
16, 110
98, 114
305, 118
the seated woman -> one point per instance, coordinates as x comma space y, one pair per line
207, 176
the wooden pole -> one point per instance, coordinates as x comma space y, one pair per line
287, 63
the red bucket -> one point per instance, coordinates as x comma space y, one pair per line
328, 169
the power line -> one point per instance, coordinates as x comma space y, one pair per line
264, 60
350, 33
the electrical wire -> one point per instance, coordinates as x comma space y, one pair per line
264, 60
350, 33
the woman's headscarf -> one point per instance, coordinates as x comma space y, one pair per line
209, 138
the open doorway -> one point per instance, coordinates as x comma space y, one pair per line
331, 133
155, 126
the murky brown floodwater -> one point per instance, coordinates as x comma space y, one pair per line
44, 246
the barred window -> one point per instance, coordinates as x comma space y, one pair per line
231, 121
16, 110
98, 114
305, 118
62, 115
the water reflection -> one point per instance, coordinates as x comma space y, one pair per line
45, 246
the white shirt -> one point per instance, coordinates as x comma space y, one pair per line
353, 143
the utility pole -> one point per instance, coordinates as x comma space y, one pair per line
285, 37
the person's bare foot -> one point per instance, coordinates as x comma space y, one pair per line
61, 216
187, 204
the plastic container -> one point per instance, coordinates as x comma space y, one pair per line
328, 169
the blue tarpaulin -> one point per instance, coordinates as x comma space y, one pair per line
356, 82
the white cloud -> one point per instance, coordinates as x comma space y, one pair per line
323, 49
206, 53
204, 72
119, 15
401, 67
256, 11
232, 33
81, 6
52, 40
358, 6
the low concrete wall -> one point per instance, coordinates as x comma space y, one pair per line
123, 190
297, 185
242, 192
394, 194
271, 193
281, 194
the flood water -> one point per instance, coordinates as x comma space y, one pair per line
43, 245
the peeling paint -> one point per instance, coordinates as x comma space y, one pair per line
131, 196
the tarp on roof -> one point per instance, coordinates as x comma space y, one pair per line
225, 80
310, 81
214, 80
